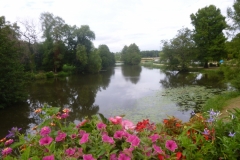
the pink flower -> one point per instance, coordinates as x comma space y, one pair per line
45, 141
70, 151
45, 131
113, 156
84, 138
81, 133
122, 156
88, 157
51, 157
73, 136
128, 151
157, 149
106, 138
126, 124
64, 115
8, 142
101, 126
171, 145
61, 136
118, 134
154, 137
134, 140
6, 151
116, 120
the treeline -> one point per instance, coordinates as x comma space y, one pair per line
62, 44
206, 42
63, 48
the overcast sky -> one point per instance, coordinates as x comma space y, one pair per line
116, 22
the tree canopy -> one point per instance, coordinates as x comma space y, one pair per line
208, 35
131, 54
12, 79
179, 51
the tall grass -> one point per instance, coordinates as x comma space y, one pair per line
220, 101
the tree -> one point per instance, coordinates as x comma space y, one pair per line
131, 55
85, 36
208, 34
54, 31
234, 15
81, 57
106, 56
94, 62
179, 51
29, 36
12, 79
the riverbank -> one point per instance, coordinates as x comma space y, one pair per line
225, 102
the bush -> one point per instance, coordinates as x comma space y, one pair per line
49, 74
62, 74
68, 68
40, 75
203, 137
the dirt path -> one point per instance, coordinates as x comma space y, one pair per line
233, 103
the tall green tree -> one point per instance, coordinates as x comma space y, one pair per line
12, 79
179, 51
234, 15
81, 57
106, 56
94, 62
54, 33
131, 54
208, 35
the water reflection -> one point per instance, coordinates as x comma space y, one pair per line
131, 90
176, 79
76, 92
191, 90
131, 73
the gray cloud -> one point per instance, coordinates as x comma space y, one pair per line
117, 22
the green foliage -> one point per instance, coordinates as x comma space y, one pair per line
179, 51
94, 62
62, 74
208, 35
231, 71
50, 75
81, 55
107, 57
68, 68
205, 136
131, 55
152, 53
234, 14
40, 75
12, 79
219, 101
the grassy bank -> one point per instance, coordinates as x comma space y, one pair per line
220, 102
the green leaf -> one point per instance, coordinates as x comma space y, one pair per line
104, 120
26, 153
87, 127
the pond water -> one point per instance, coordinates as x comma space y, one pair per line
134, 91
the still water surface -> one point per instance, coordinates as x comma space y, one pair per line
135, 91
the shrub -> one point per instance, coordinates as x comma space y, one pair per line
62, 74
40, 75
68, 68
203, 137
49, 74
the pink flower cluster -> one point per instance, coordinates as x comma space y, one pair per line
126, 124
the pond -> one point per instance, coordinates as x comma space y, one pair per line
134, 91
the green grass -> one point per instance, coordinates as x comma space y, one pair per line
219, 101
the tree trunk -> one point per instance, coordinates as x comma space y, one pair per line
206, 65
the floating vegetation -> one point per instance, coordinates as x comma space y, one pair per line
178, 102
191, 97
